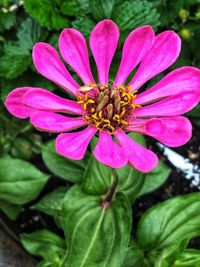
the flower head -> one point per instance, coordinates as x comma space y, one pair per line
111, 109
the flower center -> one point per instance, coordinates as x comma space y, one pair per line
110, 109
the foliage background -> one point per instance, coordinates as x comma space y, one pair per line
22, 23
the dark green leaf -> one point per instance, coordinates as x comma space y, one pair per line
155, 178
189, 257
134, 13
45, 244
98, 178
47, 13
97, 235
84, 25
176, 220
11, 210
45, 263
102, 9
29, 33
75, 7
14, 61
7, 20
130, 182
51, 204
21, 149
134, 256
20, 181
67, 169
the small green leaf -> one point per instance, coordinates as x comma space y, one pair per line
67, 169
134, 256
134, 13
155, 178
45, 244
7, 20
14, 61
170, 222
188, 258
51, 204
47, 13
97, 177
20, 181
21, 149
29, 33
102, 9
84, 24
97, 235
11, 210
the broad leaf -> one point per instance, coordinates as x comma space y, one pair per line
45, 244
67, 169
170, 222
47, 13
134, 256
189, 257
84, 24
7, 20
51, 204
11, 210
97, 177
75, 7
96, 234
155, 178
20, 181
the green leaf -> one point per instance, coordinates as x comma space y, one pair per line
75, 7
130, 182
45, 263
21, 149
45, 244
155, 178
189, 257
97, 177
134, 256
20, 181
11, 210
51, 204
134, 13
67, 169
102, 9
170, 222
47, 13
84, 24
29, 33
14, 61
7, 20
97, 235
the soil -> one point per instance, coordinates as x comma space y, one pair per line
31, 220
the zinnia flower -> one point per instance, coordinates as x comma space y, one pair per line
111, 110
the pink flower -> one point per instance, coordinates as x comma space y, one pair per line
114, 109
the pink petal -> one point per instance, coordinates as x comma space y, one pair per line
173, 132
108, 152
171, 106
48, 63
73, 49
42, 99
103, 43
15, 105
74, 145
136, 46
176, 82
56, 123
163, 54
138, 156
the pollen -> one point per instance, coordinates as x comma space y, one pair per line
110, 109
